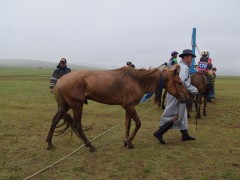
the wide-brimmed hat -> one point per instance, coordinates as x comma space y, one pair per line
187, 52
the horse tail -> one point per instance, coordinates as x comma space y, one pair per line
67, 118
67, 123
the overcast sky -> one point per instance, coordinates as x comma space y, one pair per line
111, 32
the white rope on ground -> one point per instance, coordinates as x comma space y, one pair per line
48, 167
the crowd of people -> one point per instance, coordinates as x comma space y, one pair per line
205, 67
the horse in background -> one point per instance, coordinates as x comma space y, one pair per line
125, 86
200, 81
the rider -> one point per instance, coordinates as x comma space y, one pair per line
61, 70
205, 64
173, 59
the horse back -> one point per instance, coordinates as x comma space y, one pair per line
109, 86
200, 82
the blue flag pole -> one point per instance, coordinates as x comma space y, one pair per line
194, 33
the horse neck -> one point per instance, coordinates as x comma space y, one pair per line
150, 80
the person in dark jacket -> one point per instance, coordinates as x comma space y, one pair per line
61, 70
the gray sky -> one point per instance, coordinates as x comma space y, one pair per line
111, 32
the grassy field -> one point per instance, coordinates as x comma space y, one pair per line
26, 109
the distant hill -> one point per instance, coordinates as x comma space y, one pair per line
37, 64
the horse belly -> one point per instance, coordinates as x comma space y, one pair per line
113, 94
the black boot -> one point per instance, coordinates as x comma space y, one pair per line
185, 135
162, 129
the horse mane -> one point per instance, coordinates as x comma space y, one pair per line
148, 79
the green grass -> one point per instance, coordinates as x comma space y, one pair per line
26, 109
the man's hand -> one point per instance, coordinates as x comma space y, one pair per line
175, 119
51, 91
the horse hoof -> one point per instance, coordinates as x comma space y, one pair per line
50, 146
127, 144
205, 114
188, 116
130, 146
92, 149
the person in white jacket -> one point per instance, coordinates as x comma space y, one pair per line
175, 113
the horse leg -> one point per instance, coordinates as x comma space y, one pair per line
196, 102
199, 106
137, 121
189, 106
205, 106
55, 121
77, 118
127, 127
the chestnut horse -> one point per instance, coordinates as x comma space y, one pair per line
125, 86
200, 81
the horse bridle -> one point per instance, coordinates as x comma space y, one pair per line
162, 79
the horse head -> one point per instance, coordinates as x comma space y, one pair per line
173, 84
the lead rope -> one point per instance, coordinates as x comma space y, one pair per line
48, 167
